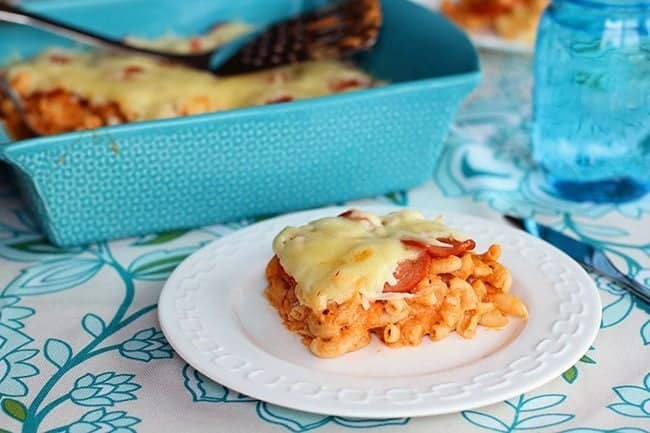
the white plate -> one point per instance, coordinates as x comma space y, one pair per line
213, 313
488, 41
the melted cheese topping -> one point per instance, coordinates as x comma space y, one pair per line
219, 35
332, 259
145, 88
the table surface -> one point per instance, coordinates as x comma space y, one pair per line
81, 350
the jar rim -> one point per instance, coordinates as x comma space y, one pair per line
610, 4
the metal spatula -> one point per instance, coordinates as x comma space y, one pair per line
336, 30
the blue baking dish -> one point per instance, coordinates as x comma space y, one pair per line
152, 176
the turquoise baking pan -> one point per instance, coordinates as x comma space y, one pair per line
153, 176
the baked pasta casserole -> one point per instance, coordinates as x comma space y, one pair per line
66, 90
338, 280
510, 19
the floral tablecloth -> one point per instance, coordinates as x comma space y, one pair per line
81, 350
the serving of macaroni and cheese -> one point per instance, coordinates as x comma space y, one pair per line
338, 280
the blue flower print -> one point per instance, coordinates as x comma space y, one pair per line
146, 345
619, 309
530, 413
11, 340
645, 333
299, 422
644, 275
203, 389
103, 390
14, 368
100, 421
54, 275
10, 314
636, 400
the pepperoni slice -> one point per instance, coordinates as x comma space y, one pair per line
345, 84
354, 214
195, 45
456, 247
279, 99
132, 70
59, 58
409, 273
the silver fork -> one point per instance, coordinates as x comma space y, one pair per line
336, 30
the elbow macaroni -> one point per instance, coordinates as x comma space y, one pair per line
458, 294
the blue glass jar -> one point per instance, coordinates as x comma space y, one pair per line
591, 122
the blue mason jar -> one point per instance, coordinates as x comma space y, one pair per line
591, 121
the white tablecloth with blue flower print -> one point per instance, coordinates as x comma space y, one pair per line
81, 350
